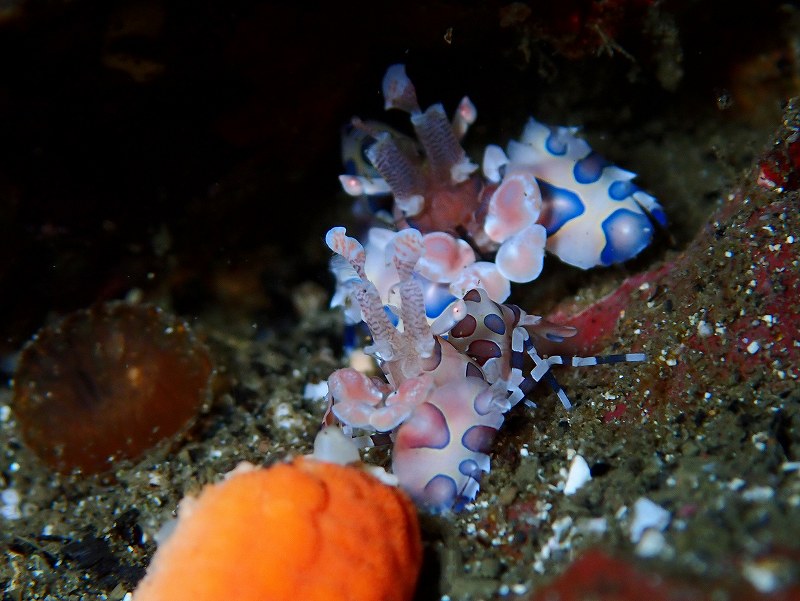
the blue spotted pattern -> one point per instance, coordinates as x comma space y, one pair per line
627, 233
437, 296
589, 169
561, 206
470, 468
581, 191
620, 190
478, 438
441, 490
659, 215
556, 143
495, 323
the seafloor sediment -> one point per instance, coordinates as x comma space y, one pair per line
708, 429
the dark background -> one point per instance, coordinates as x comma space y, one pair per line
190, 150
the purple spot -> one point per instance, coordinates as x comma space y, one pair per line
429, 364
589, 169
473, 371
620, 190
626, 233
440, 492
426, 428
556, 142
464, 328
495, 323
470, 468
559, 206
517, 359
473, 295
478, 439
483, 350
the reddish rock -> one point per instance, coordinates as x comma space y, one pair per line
597, 322
597, 576
725, 309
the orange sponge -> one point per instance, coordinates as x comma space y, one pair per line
307, 530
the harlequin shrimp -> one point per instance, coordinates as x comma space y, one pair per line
548, 191
447, 383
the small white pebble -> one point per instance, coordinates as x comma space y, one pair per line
763, 579
333, 446
758, 493
651, 544
561, 526
647, 514
286, 418
579, 474
312, 392
704, 329
362, 362
10, 508
753, 347
593, 526
736, 484
759, 440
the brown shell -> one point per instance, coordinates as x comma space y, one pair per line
107, 383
